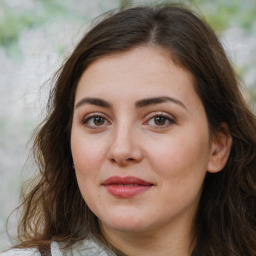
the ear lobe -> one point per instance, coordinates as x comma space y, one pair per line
220, 148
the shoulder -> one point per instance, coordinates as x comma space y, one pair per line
55, 251
20, 252
86, 247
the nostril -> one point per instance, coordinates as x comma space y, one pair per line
113, 160
122, 161
124, 153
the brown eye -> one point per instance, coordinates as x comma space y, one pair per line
95, 121
98, 120
160, 120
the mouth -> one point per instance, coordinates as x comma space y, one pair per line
126, 187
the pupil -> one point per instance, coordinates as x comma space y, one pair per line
98, 120
159, 120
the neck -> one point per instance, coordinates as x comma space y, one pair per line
152, 242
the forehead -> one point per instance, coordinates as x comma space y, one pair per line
144, 71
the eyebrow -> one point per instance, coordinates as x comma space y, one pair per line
157, 100
138, 104
94, 101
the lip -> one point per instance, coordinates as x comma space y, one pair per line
126, 187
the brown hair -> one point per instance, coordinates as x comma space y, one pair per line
225, 223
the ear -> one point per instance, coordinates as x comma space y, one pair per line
220, 148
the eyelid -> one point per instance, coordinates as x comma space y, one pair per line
169, 117
89, 116
160, 113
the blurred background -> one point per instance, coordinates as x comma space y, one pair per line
36, 36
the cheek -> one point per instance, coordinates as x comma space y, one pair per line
87, 158
181, 169
181, 160
87, 154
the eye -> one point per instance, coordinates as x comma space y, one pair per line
160, 121
95, 121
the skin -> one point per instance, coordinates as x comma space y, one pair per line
173, 154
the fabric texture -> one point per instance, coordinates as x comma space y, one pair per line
84, 248
21, 252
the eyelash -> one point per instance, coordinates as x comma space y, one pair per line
166, 118
92, 117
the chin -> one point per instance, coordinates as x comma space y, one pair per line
126, 223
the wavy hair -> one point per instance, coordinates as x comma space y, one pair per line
225, 223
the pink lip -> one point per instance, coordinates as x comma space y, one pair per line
125, 187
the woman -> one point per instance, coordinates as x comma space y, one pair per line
148, 147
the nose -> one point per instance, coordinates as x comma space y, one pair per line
125, 146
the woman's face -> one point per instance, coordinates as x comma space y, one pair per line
140, 141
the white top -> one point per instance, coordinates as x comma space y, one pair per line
83, 248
